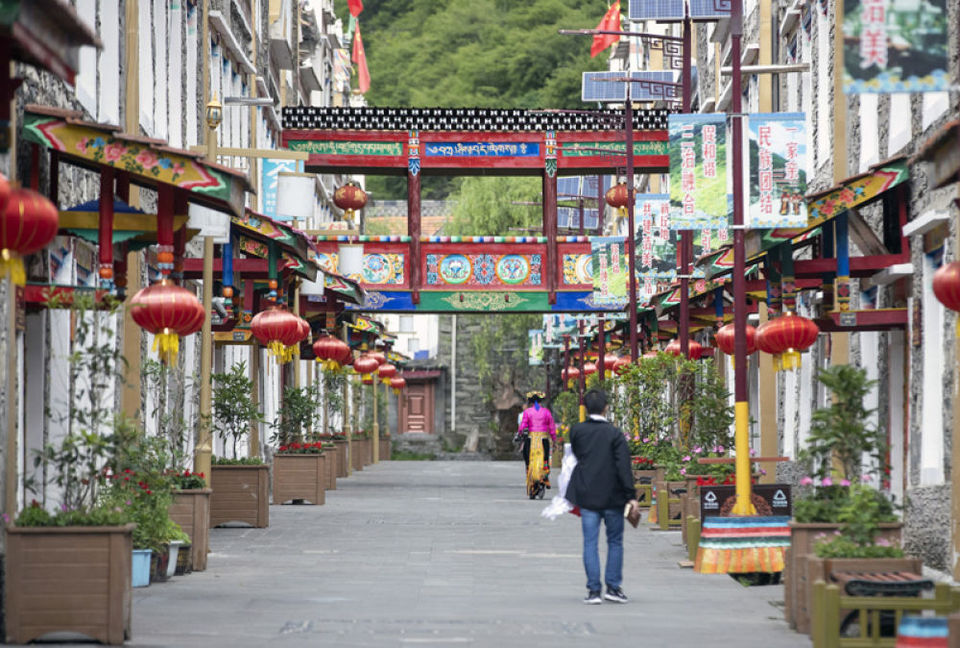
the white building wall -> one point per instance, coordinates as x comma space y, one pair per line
931, 439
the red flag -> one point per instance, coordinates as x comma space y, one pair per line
360, 58
609, 22
356, 6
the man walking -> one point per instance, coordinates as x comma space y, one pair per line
601, 485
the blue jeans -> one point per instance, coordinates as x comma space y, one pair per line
590, 523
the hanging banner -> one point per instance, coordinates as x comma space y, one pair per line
895, 46
270, 183
698, 172
555, 326
778, 177
609, 270
536, 347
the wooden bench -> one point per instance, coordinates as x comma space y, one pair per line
828, 601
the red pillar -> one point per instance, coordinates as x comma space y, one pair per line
105, 239
603, 349
550, 232
413, 230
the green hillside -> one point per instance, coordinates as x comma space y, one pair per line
486, 53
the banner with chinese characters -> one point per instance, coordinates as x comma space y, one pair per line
536, 347
555, 326
698, 172
609, 270
778, 177
895, 46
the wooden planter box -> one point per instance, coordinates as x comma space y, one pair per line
385, 448
821, 568
671, 491
299, 477
69, 579
367, 452
191, 510
797, 589
240, 494
342, 459
644, 480
357, 453
332, 468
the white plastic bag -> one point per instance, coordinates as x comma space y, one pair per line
559, 504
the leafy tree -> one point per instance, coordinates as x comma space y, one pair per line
234, 411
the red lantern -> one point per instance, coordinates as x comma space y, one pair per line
397, 384
617, 196
787, 336
168, 311
652, 354
378, 356
367, 379
725, 342
304, 330
277, 329
609, 362
350, 198
570, 375
694, 349
331, 351
386, 372
589, 368
620, 364
946, 286
28, 222
365, 365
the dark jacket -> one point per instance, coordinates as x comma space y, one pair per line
602, 478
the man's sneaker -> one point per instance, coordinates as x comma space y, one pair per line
593, 598
616, 595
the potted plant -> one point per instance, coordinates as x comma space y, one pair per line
190, 508
240, 485
840, 437
299, 465
60, 546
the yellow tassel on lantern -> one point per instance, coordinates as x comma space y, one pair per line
275, 347
11, 265
777, 363
167, 345
790, 360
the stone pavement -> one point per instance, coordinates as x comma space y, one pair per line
444, 554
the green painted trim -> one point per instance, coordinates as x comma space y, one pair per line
340, 147
485, 301
587, 149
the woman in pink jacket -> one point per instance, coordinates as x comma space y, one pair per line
537, 422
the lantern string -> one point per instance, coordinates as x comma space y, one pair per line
11, 265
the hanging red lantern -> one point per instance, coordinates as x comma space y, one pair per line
787, 336
946, 286
570, 375
378, 356
620, 365
652, 354
609, 362
694, 349
28, 222
304, 329
277, 329
725, 342
367, 379
365, 365
617, 196
386, 372
350, 198
169, 312
398, 384
589, 368
332, 352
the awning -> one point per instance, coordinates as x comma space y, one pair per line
130, 225
46, 33
149, 162
256, 233
856, 191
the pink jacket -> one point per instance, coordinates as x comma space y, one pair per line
541, 420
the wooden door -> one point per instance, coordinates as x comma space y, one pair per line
417, 408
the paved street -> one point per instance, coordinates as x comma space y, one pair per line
443, 553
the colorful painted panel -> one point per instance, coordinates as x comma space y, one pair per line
485, 301
481, 149
857, 191
594, 149
341, 147
382, 269
577, 269
145, 160
484, 270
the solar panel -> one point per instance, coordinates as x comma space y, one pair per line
660, 10
590, 185
566, 216
595, 88
591, 219
709, 9
568, 186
